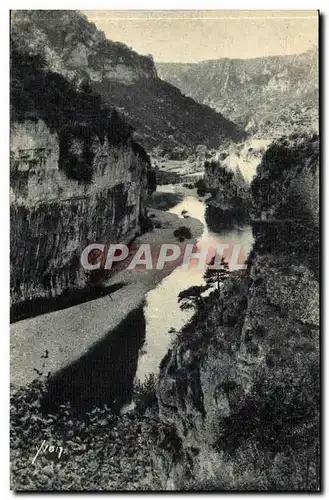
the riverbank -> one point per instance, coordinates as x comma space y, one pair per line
48, 343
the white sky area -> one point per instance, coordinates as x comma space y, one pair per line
196, 35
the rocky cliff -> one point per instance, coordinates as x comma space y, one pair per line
77, 50
230, 201
286, 201
239, 390
77, 177
267, 96
54, 218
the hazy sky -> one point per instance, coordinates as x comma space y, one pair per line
190, 36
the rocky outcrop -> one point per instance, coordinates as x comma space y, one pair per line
268, 96
77, 176
286, 199
239, 390
288, 170
230, 201
74, 48
53, 218
244, 157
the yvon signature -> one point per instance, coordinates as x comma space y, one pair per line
51, 450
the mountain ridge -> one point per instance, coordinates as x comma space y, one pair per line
263, 95
159, 113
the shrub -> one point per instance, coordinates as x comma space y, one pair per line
101, 451
183, 233
201, 187
145, 394
146, 224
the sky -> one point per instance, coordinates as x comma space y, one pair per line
192, 36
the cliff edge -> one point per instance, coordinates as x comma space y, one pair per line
239, 390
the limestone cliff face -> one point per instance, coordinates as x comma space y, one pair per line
53, 217
239, 390
77, 49
230, 192
245, 157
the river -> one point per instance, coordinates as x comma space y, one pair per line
133, 350
162, 311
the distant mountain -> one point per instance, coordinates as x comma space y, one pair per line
264, 95
159, 113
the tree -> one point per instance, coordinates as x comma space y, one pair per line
191, 297
201, 187
218, 275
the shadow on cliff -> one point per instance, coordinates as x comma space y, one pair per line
104, 375
218, 219
69, 298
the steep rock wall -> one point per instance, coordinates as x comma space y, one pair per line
230, 193
239, 391
53, 218
70, 46
77, 49
238, 394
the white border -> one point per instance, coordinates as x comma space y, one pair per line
4, 197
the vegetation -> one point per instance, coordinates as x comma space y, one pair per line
269, 440
183, 233
162, 115
145, 223
163, 201
191, 297
102, 451
145, 395
70, 28
201, 187
151, 180
223, 175
78, 116
247, 363
286, 193
285, 160
231, 195
217, 275
249, 92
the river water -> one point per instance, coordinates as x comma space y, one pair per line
162, 311
106, 374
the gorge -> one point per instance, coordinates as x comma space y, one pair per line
168, 379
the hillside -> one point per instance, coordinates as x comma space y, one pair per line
267, 95
77, 50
